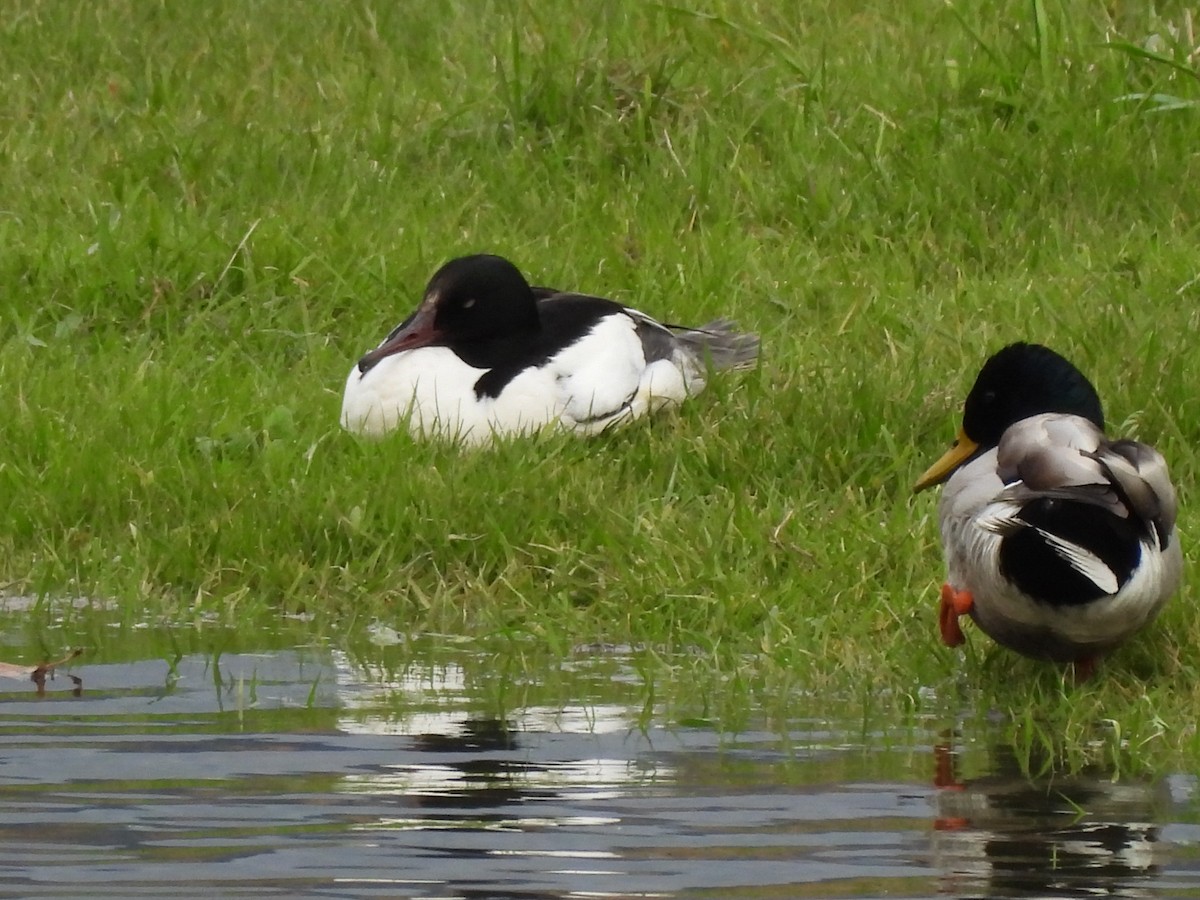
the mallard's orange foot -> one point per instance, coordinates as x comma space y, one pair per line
955, 603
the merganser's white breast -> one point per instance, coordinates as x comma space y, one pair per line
459, 369
599, 380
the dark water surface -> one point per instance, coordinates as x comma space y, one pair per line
304, 773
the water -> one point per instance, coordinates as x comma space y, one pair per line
306, 773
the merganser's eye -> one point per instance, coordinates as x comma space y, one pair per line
468, 303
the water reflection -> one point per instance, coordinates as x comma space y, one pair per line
305, 772
39, 675
1007, 835
482, 764
601, 796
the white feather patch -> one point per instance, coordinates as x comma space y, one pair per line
1000, 518
1083, 561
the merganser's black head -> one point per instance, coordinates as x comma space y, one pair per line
469, 299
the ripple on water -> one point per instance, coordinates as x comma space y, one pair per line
302, 774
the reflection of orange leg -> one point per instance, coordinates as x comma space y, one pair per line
955, 603
944, 778
943, 767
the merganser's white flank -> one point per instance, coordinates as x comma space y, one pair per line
486, 355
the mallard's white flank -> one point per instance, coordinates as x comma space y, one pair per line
1059, 543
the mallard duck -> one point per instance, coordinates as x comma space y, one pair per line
1059, 542
487, 355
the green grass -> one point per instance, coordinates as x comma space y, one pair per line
207, 218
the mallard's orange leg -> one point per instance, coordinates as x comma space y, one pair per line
1084, 668
955, 603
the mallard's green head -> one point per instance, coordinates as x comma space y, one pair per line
1020, 381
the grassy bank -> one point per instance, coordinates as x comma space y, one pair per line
207, 218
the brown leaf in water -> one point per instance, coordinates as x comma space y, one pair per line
37, 674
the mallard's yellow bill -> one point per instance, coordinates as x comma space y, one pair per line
960, 451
